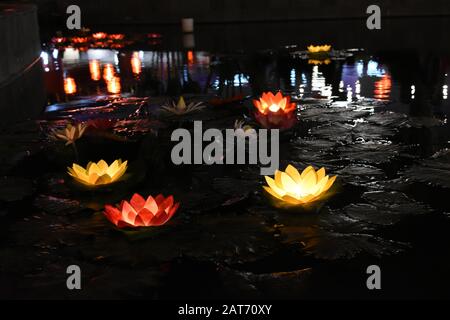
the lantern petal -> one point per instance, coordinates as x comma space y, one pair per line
293, 173
288, 184
160, 218
173, 209
102, 165
151, 205
168, 202
113, 214
320, 186
278, 179
273, 185
112, 169
137, 202
320, 174
159, 199
146, 216
291, 200
128, 212
309, 180
273, 193
306, 171
329, 183
138, 222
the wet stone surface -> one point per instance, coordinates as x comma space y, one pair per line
226, 231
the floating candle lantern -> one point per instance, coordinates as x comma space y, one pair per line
275, 111
181, 108
140, 212
99, 173
70, 133
295, 188
100, 35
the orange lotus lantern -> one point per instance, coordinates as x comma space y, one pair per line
70, 87
100, 35
275, 111
114, 86
140, 212
94, 69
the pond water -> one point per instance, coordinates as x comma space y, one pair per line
377, 120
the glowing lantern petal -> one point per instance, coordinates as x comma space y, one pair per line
142, 213
293, 173
295, 188
98, 173
137, 202
274, 187
151, 205
275, 111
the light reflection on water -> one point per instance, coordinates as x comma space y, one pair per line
149, 73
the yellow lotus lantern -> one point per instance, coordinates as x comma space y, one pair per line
181, 108
319, 49
298, 188
70, 133
99, 173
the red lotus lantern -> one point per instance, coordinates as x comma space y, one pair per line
275, 111
100, 35
140, 212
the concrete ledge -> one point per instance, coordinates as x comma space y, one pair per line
22, 92
19, 39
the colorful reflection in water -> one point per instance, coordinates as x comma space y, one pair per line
136, 63
113, 85
94, 69
383, 87
108, 72
70, 87
143, 73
